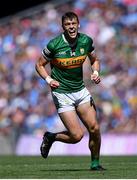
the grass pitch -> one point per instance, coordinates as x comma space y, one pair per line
66, 167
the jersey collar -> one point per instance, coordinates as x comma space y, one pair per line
65, 40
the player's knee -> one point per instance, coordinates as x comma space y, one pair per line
95, 129
77, 137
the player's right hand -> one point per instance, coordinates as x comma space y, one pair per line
54, 84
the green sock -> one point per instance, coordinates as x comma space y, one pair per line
94, 163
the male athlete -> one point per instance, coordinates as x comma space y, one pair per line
66, 53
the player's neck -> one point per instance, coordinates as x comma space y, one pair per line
72, 41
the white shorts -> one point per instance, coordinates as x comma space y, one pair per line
69, 101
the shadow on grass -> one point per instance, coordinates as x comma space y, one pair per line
73, 170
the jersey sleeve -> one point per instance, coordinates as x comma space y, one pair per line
91, 45
48, 51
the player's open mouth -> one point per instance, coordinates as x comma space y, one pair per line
73, 33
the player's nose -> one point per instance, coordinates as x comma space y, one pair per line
71, 26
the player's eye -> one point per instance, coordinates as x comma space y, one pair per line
74, 23
67, 24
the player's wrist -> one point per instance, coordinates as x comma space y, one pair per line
48, 79
96, 72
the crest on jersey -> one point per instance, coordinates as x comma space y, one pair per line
82, 50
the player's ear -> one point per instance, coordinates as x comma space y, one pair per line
63, 27
78, 25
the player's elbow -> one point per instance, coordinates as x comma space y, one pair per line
37, 66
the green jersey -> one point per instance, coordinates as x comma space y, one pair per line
66, 61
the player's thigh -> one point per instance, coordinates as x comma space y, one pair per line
88, 115
71, 122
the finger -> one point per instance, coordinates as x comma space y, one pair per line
55, 85
97, 81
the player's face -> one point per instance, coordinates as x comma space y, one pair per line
71, 27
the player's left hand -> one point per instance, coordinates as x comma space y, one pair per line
95, 78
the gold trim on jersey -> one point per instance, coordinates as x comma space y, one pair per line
69, 63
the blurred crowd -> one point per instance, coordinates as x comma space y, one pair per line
26, 105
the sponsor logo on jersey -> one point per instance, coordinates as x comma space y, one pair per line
62, 53
72, 53
68, 63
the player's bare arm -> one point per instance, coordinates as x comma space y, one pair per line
40, 68
95, 63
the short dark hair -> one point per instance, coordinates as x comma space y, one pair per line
69, 15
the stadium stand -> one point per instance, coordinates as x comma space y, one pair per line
26, 106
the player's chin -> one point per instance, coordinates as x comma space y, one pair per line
73, 36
